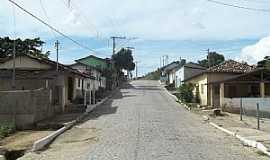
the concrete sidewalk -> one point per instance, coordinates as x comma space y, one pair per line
247, 128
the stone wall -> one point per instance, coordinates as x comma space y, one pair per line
26, 107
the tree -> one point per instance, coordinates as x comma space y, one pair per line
27, 46
214, 58
124, 60
265, 63
186, 93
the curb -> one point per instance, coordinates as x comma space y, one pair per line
251, 143
175, 98
42, 143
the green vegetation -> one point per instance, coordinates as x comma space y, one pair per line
185, 93
28, 46
212, 59
152, 75
124, 60
265, 63
6, 129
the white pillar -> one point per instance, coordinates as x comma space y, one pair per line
221, 92
84, 97
63, 98
262, 89
90, 95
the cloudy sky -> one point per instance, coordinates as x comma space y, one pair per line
177, 28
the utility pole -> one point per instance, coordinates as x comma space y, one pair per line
14, 66
57, 51
136, 62
208, 58
114, 42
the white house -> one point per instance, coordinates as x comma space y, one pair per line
186, 71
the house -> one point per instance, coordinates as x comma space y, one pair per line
209, 95
248, 90
101, 69
40, 91
186, 71
168, 72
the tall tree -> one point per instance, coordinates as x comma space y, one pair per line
265, 63
27, 46
124, 60
212, 59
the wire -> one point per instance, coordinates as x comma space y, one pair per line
68, 6
51, 27
240, 7
46, 15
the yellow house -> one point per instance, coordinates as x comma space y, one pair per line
209, 95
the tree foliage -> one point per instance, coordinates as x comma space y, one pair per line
212, 59
124, 60
265, 63
27, 46
186, 93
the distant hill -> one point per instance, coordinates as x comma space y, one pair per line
155, 75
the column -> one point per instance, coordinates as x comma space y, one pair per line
84, 97
221, 93
211, 96
262, 89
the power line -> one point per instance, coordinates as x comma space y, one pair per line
240, 7
87, 26
51, 27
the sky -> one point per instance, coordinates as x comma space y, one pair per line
177, 28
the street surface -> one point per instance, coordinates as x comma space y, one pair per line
142, 122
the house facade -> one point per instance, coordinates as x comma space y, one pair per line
209, 93
99, 68
186, 71
248, 90
39, 92
35, 73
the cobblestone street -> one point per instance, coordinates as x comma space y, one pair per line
142, 122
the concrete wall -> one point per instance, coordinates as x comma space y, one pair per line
26, 107
22, 84
24, 62
249, 105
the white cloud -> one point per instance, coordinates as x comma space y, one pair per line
256, 52
152, 19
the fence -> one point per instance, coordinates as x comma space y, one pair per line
249, 106
26, 107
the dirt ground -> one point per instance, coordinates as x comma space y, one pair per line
22, 140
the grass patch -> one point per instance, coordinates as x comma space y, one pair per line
6, 129
260, 153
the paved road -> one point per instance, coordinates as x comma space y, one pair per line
143, 123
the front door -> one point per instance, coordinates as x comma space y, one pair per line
70, 88
216, 96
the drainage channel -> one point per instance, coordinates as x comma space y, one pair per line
13, 155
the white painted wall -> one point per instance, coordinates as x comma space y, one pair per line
249, 103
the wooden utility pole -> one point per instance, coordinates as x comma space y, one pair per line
114, 42
208, 58
57, 51
14, 66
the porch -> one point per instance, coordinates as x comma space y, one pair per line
252, 86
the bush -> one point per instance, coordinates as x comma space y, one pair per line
186, 93
6, 129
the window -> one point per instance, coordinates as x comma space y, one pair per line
202, 88
79, 82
